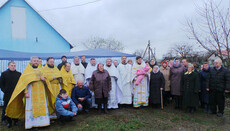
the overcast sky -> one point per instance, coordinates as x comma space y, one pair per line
133, 22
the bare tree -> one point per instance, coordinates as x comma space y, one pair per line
187, 51
212, 33
98, 42
169, 55
140, 52
183, 49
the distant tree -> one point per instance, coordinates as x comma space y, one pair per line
183, 49
212, 30
188, 51
139, 52
169, 55
107, 43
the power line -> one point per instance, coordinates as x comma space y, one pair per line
71, 6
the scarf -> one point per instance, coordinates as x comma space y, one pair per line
98, 68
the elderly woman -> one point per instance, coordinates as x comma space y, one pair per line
100, 84
157, 84
165, 70
190, 89
176, 73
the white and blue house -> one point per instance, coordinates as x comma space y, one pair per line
23, 29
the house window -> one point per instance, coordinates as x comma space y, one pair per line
18, 22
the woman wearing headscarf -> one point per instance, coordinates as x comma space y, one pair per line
165, 70
190, 89
152, 63
100, 84
176, 74
157, 84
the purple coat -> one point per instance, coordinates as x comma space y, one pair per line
100, 82
176, 74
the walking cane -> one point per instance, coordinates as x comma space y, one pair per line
162, 101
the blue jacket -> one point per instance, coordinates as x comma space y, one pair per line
63, 106
204, 84
80, 93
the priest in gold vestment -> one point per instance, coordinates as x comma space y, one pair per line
52, 73
32, 97
68, 79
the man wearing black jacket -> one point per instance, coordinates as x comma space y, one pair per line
219, 84
64, 60
83, 62
8, 81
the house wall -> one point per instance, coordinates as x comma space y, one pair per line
40, 36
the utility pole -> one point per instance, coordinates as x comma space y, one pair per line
149, 52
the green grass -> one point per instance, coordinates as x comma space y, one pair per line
141, 119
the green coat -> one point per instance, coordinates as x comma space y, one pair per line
190, 89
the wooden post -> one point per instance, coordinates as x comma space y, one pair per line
162, 107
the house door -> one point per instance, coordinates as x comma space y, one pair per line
18, 21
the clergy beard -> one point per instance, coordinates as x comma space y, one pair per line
34, 66
123, 62
93, 64
138, 63
77, 64
108, 65
50, 66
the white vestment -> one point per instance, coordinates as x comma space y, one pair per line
78, 71
125, 83
88, 74
115, 95
31, 121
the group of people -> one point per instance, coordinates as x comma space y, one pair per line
206, 87
44, 92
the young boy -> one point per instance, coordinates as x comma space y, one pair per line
65, 107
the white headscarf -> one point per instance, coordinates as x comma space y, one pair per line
156, 66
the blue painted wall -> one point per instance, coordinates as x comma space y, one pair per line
49, 41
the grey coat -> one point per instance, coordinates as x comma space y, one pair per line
176, 74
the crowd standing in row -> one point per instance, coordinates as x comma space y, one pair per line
47, 92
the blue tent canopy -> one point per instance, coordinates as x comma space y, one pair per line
14, 55
22, 59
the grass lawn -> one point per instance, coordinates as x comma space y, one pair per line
141, 119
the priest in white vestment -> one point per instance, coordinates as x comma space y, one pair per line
91, 67
115, 95
124, 70
78, 69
